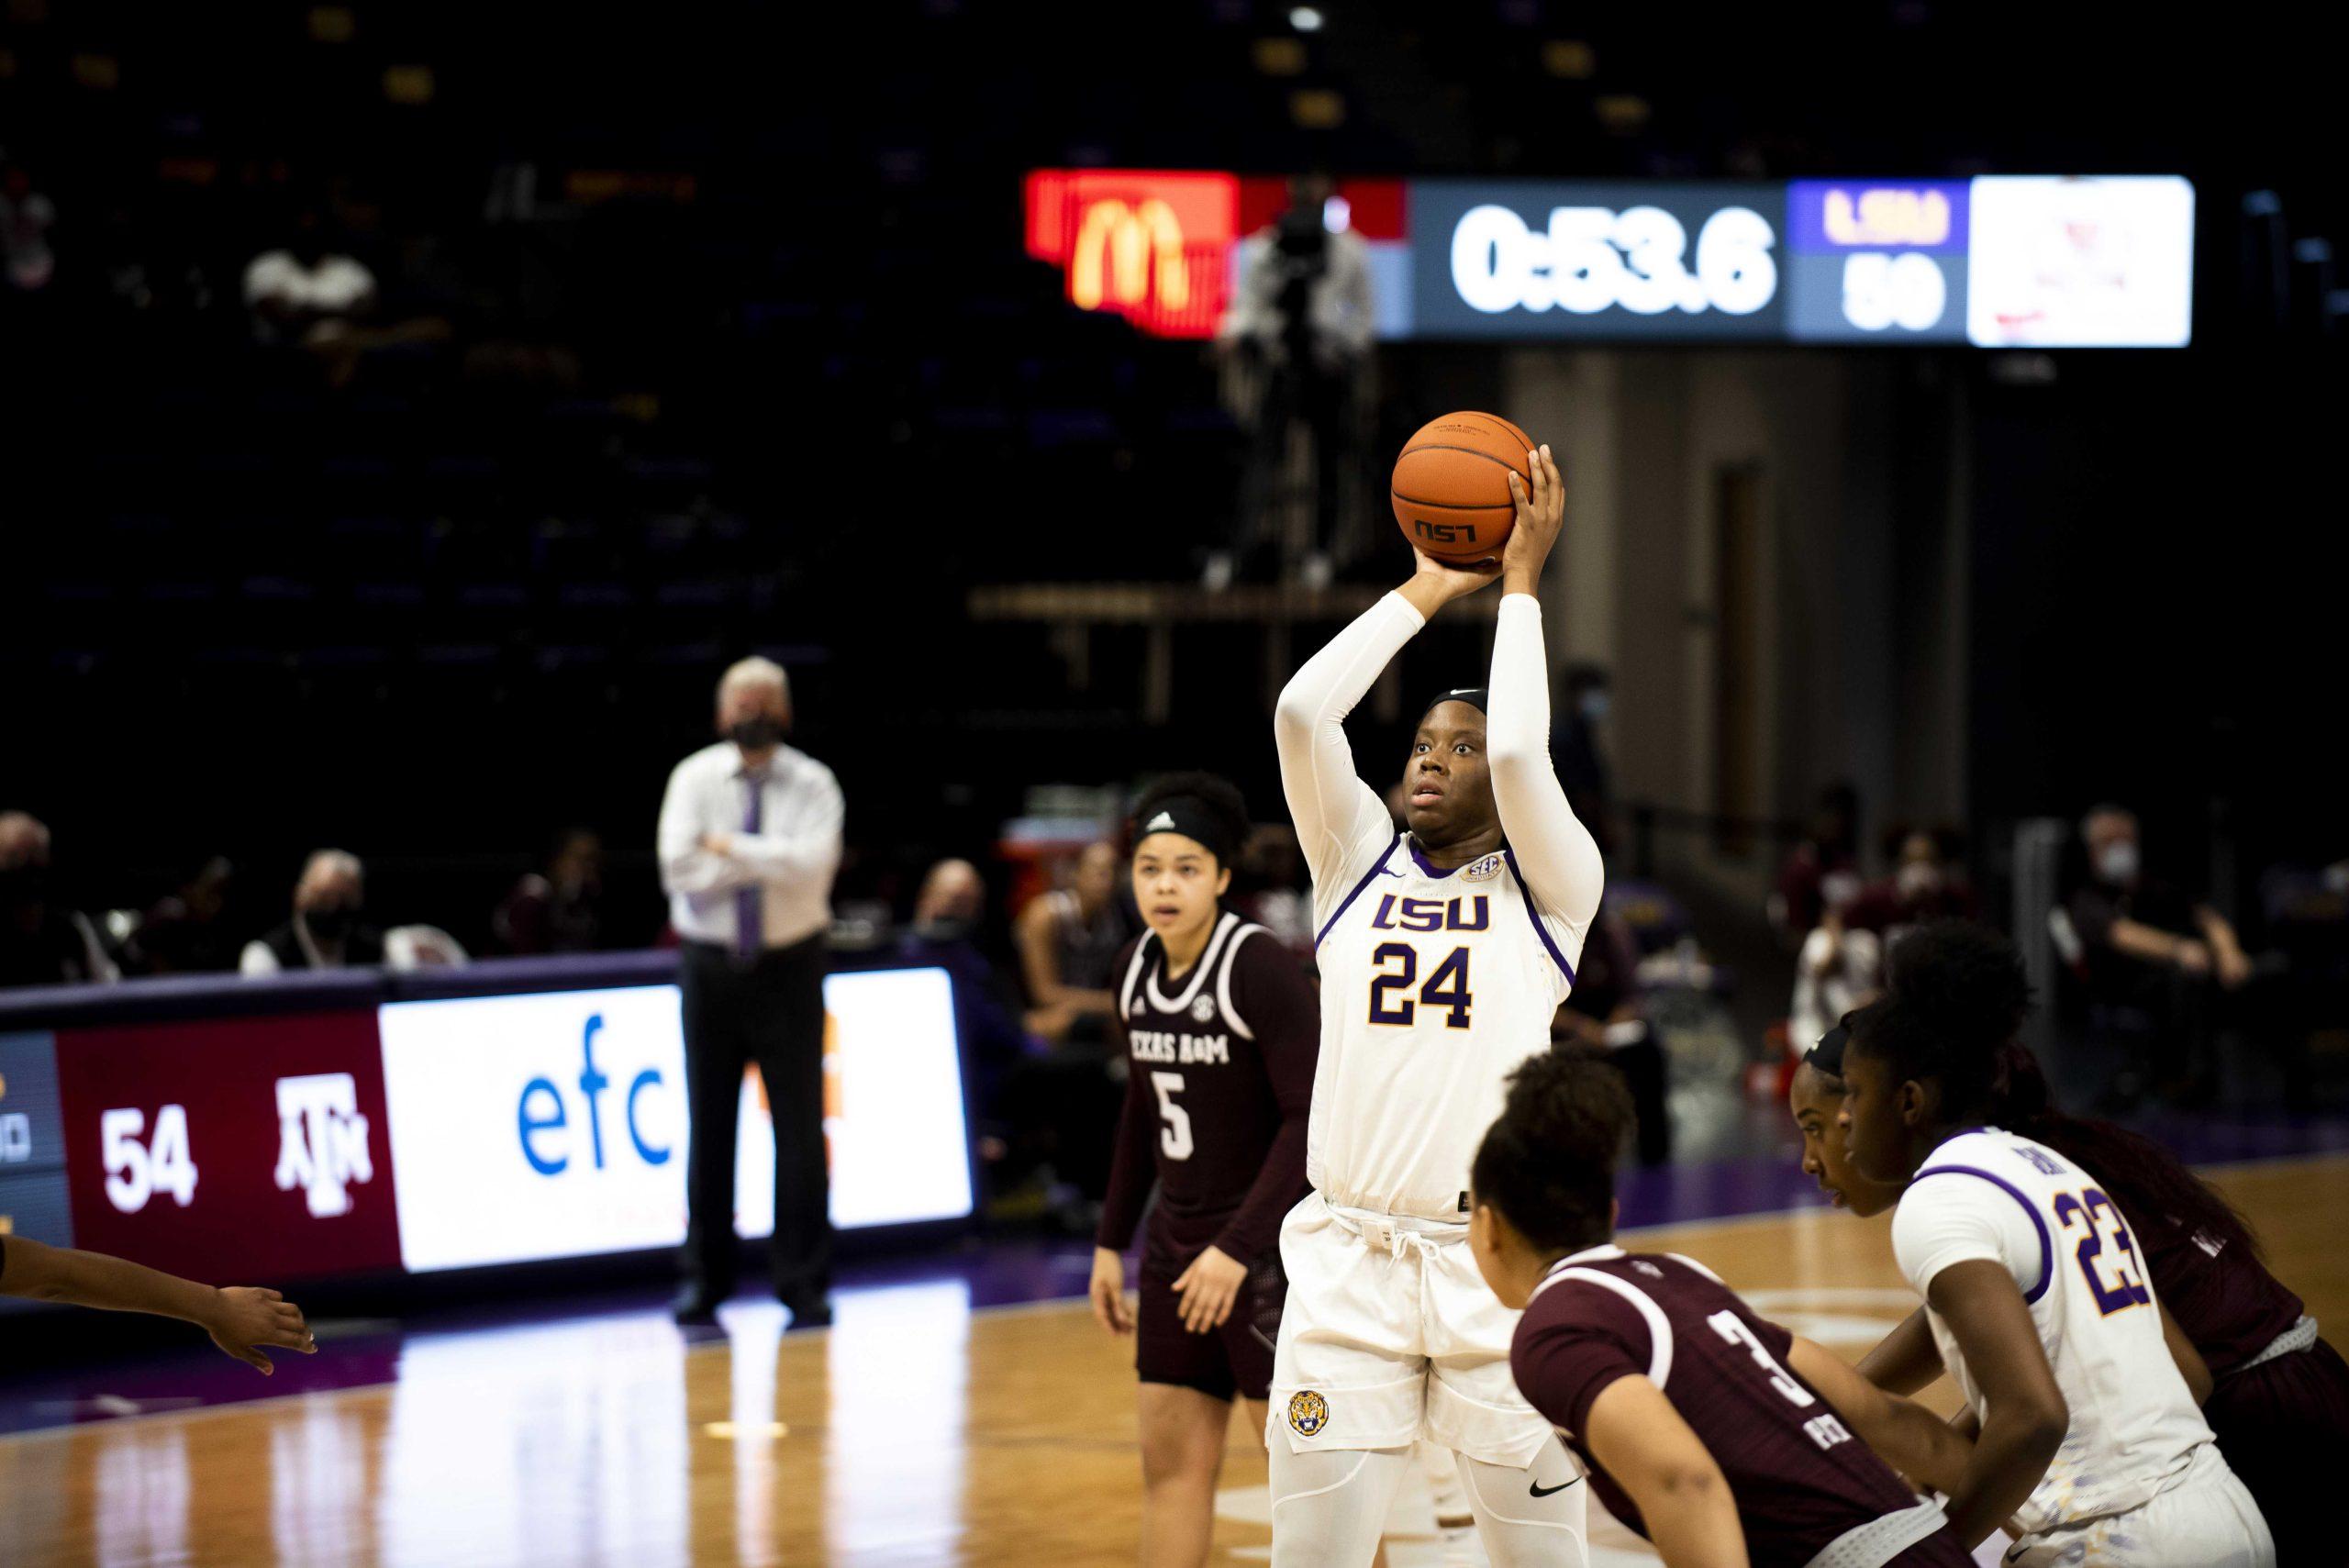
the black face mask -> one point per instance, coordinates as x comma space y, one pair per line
333, 923
25, 886
755, 734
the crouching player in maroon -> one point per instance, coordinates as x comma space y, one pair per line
1717, 1435
1220, 1029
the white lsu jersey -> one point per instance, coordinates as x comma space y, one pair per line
1435, 984
2134, 1426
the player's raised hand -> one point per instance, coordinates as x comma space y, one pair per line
1205, 1290
1438, 583
1540, 510
1108, 1292
247, 1319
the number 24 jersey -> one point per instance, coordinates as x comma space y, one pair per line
1435, 984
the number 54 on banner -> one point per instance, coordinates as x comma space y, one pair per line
136, 1171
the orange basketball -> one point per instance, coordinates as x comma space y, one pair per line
1450, 489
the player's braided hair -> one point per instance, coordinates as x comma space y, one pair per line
1548, 1164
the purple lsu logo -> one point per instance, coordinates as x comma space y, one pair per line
1432, 913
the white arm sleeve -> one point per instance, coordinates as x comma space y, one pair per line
1554, 851
1956, 1217
1341, 821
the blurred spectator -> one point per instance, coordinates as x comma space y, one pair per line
41, 941
1298, 331
26, 263
304, 293
1068, 940
1840, 967
1581, 758
1823, 870
2155, 960
1270, 872
945, 925
187, 932
1602, 1016
1926, 884
325, 932
560, 910
2132, 927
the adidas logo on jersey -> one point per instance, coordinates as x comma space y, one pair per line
1162, 823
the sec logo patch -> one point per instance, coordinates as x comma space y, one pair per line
1203, 1010
1484, 869
1307, 1412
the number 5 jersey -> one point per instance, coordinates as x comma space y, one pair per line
1220, 1061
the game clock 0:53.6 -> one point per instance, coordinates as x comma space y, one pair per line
1600, 261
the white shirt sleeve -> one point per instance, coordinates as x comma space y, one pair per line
1554, 851
1341, 821
811, 848
685, 866
1956, 1217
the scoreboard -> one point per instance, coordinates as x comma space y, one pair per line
1996, 262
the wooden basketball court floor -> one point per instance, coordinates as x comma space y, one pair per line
919, 1431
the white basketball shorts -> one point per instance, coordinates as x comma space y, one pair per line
1390, 1335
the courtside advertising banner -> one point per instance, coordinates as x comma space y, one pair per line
237, 1151
554, 1125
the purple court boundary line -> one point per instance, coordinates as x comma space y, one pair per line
1004, 1275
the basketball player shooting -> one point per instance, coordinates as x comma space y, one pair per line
1444, 952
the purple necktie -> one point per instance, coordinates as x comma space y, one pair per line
750, 911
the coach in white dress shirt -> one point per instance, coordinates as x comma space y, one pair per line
749, 839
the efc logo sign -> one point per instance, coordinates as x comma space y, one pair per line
1152, 247
543, 1116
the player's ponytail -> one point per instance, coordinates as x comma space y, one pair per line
1548, 1165
2155, 1191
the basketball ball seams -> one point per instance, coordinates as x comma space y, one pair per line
1472, 451
1456, 505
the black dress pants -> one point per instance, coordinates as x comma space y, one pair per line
768, 1010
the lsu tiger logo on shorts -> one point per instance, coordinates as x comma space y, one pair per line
1307, 1412
1484, 869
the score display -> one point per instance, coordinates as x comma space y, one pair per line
1525, 260
1872, 262
1996, 261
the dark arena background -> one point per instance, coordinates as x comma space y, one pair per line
409, 413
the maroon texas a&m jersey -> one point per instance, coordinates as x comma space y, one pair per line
1801, 1478
1220, 1061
